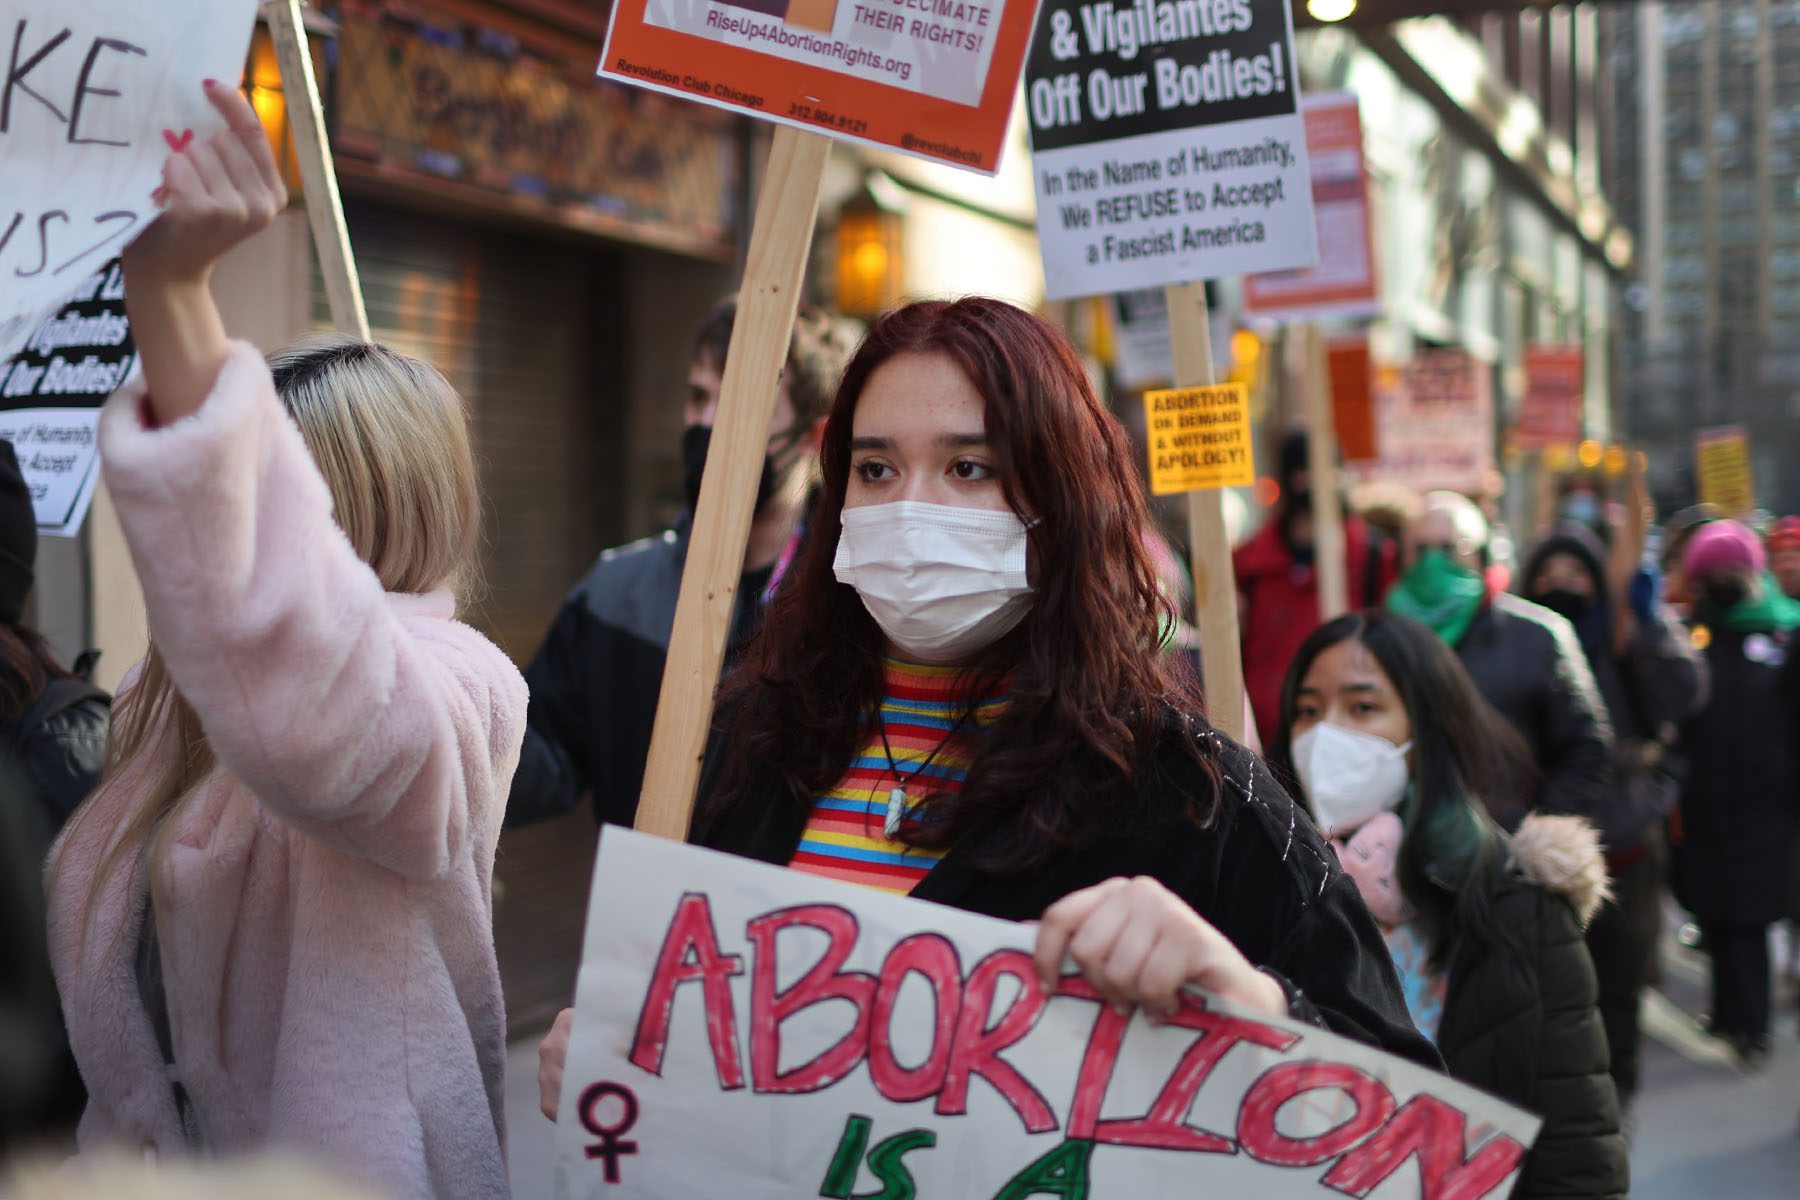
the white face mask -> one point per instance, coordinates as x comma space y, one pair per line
1349, 776
942, 582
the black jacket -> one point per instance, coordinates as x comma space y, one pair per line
56, 751
1259, 873
1526, 661
50, 759
1520, 1019
1649, 689
1740, 802
596, 679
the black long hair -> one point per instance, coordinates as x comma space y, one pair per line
27, 665
1462, 750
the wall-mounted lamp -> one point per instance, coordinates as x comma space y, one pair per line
262, 81
870, 243
1330, 10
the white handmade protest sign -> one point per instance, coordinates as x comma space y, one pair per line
1435, 424
747, 1031
1167, 143
96, 95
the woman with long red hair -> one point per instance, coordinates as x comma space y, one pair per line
960, 694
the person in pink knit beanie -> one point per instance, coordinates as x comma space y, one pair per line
272, 924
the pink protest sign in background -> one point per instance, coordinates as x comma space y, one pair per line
1435, 423
747, 1031
1550, 414
1343, 284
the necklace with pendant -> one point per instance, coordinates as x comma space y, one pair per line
897, 796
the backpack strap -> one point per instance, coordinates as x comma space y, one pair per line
59, 695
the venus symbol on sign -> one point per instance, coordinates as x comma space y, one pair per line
612, 1144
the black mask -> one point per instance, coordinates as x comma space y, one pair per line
1723, 595
1299, 504
1565, 603
696, 439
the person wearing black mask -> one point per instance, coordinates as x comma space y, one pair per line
1739, 810
1651, 679
1278, 587
595, 680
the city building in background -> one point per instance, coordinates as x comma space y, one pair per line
1492, 233
1703, 159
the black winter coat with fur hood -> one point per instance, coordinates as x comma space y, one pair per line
1520, 1020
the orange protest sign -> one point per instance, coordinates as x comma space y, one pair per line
935, 78
1199, 438
1352, 399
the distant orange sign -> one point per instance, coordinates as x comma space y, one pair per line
1352, 399
1343, 284
935, 78
1551, 412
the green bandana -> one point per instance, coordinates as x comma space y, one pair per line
1440, 593
1769, 612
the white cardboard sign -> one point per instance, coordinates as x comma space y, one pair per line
747, 1031
96, 95
1167, 143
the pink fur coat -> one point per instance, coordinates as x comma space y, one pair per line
323, 905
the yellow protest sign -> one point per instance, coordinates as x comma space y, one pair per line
1199, 438
1722, 463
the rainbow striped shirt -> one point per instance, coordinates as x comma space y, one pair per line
844, 837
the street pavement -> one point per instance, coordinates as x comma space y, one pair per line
1704, 1129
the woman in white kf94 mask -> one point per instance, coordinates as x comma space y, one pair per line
960, 693
1394, 751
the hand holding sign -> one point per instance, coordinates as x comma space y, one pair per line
94, 95
1140, 945
553, 1053
217, 192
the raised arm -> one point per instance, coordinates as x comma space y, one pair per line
215, 193
370, 721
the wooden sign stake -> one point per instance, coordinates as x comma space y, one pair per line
1322, 468
1215, 586
767, 301
324, 207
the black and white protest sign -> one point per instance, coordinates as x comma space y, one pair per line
1167, 143
92, 99
51, 392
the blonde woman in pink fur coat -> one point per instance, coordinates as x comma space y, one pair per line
272, 924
